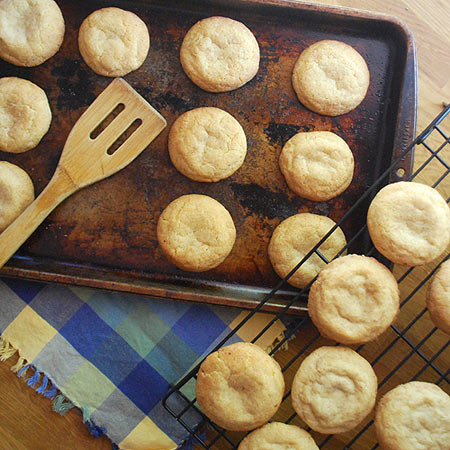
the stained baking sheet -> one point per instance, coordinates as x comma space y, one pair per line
105, 235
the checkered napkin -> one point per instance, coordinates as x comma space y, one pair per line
113, 355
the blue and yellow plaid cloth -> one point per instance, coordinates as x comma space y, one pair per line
113, 355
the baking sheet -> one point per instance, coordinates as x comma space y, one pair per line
105, 235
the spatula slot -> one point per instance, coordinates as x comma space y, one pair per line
124, 136
107, 120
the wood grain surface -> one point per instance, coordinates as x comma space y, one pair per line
27, 420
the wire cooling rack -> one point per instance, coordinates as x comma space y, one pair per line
412, 349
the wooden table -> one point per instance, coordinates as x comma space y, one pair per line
27, 420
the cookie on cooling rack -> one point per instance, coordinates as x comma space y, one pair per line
25, 115
334, 389
207, 144
354, 299
113, 42
330, 77
16, 193
196, 232
317, 165
240, 387
409, 223
30, 31
279, 436
438, 298
219, 54
294, 238
414, 416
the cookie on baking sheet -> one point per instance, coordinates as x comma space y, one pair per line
279, 436
334, 389
240, 387
294, 238
25, 115
207, 144
438, 298
409, 223
16, 193
414, 416
196, 232
354, 299
317, 165
30, 31
219, 54
113, 42
330, 77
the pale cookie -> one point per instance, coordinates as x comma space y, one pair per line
196, 232
16, 193
207, 144
330, 77
31, 31
409, 223
240, 387
278, 436
219, 54
334, 389
113, 42
414, 416
25, 115
317, 165
295, 237
438, 298
354, 299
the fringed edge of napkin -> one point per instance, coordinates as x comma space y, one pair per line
46, 387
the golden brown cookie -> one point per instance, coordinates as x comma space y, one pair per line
409, 223
207, 144
330, 77
31, 31
219, 54
354, 299
196, 232
294, 237
334, 389
240, 387
438, 298
16, 193
278, 436
414, 416
25, 115
113, 42
317, 165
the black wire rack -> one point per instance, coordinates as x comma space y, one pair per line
412, 349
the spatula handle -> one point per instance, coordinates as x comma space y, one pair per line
59, 188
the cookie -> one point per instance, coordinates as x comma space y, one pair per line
334, 389
414, 416
330, 78
278, 436
196, 232
409, 223
219, 54
294, 238
354, 299
25, 115
207, 144
317, 165
113, 42
438, 298
239, 387
16, 193
31, 31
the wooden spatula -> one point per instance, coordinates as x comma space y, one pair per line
86, 158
